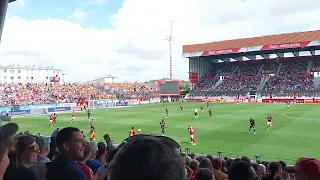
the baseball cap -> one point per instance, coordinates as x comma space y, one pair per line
309, 166
43, 142
8, 130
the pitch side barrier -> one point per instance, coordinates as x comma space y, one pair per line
78, 106
233, 155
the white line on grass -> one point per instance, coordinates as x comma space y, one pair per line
291, 117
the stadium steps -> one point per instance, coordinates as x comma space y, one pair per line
217, 76
260, 70
309, 68
217, 84
234, 71
316, 81
263, 82
279, 69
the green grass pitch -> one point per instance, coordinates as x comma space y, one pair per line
295, 132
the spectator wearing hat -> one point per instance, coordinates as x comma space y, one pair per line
146, 158
307, 169
6, 144
217, 165
44, 147
71, 145
22, 158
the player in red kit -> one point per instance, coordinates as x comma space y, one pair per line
51, 120
269, 121
132, 132
73, 117
201, 108
191, 133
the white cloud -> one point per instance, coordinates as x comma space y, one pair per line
97, 1
135, 48
79, 15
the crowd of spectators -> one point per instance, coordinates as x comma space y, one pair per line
270, 67
206, 85
294, 67
67, 156
248, 69
316, 66
45, 93
282, 83
239, 84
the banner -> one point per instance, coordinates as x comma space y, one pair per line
193, 77
122, 104
17, 113
67, 104
39, 111
59, 109
76, 108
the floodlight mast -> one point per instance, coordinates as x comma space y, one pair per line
3, 12
170, 39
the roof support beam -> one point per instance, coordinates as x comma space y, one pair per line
240, 58
280, 55
252, 57
265, 56
296, 54
226, 59
313, 52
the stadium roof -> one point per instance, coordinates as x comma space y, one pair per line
263, 43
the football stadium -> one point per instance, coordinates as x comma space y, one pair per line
250, 102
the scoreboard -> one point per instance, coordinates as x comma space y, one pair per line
169, 87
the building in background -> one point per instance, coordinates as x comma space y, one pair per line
31, 74
107, 78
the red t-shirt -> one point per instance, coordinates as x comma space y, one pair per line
86, 170
132, 132
190, 130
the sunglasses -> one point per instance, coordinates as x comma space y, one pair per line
34, 148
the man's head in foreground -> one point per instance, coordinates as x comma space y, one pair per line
146, 158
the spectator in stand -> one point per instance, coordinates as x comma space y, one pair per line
205, 163
274, 168
55, 132
146, 158
307, 169
241, 170
109, 142
22, 158
217, 166
194, 165
71, 145
103, 172
82, 163
39, 167
101, 153
92, 162
7, 143
205, 174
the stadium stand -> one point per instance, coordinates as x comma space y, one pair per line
43, 93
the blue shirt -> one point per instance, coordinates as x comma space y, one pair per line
94, 165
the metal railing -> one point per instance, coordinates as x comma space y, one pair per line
222, 154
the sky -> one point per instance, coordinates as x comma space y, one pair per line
126, 38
